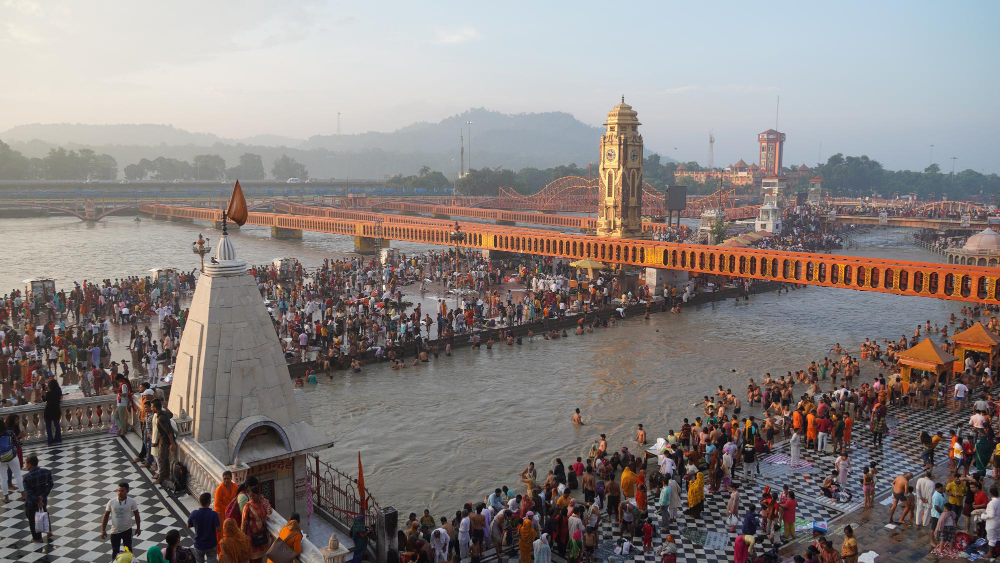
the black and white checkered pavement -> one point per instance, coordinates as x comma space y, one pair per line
86, 472
700, 540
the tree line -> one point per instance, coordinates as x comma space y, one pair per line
842, 175
488, 181
59, 164
862, 176
86, 165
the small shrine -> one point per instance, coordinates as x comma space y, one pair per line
926, 357
978, 342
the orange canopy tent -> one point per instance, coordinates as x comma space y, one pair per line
976, 339
927, 357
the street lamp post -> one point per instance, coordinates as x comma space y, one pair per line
457, 237
378, 253
201, 247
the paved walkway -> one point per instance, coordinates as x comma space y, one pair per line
86, 472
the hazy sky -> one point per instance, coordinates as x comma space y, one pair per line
886, 79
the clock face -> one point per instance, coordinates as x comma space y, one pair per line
610, 155
634, 155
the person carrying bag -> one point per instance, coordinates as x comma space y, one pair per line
288, 546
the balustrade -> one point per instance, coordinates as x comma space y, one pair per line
80, 417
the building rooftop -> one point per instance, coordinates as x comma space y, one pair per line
985, 240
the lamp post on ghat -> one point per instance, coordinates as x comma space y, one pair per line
457, 237
378, 255
201, 247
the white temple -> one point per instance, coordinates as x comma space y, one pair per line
232, 381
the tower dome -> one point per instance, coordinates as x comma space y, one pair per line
623, 114
986, 240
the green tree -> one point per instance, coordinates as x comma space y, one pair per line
135, 172
718, 230
932, 169
104, 167
286, 167
61, 164
251, 167
426, 179
209, 167
531, 180
486, 181
13, 164
170, 169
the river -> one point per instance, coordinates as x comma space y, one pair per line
449, 431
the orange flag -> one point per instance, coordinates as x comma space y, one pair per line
361, 486
238, 211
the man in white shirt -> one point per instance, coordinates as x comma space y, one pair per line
123, 512
960, 392
667, 466
924, 492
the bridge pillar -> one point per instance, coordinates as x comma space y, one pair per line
230, 226
368, 245
282, 233
440, 216
179, 219
505, 222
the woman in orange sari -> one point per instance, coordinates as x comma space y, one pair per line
224, 494
255, 514
526, 540
235, 545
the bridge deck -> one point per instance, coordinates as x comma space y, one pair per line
942, 281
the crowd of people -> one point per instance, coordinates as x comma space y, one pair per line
351, 311
349, 307
68, 335
562, 510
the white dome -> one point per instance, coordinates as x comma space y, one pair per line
988, 239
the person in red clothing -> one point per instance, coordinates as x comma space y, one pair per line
788, 515
824, 427
647, 536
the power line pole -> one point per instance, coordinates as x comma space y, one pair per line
711, 150
469, 123
777, 106
461, 136
953, 159
931, 159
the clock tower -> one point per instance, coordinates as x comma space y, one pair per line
619, 199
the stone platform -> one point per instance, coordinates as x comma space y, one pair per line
86, 472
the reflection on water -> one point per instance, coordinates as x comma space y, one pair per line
444, 433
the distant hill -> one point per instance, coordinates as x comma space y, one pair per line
539, 140
145, 134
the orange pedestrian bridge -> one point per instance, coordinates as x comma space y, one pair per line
911, 222
501, 217
942, 281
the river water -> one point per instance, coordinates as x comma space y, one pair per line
449, 431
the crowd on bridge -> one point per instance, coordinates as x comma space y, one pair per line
804, 232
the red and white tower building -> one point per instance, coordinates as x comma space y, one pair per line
772, 148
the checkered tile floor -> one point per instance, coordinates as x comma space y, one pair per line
899, 454
86, 472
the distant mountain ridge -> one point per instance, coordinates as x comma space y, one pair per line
539, 140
